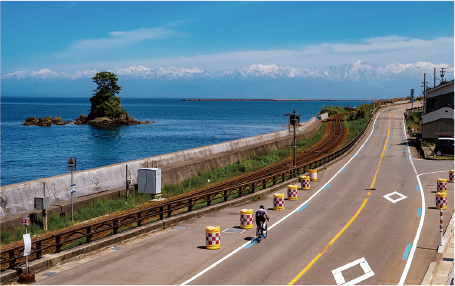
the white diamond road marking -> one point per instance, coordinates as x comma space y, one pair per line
402, 197
363, 263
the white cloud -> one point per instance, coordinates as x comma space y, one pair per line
379, 51
115, 40
378, 45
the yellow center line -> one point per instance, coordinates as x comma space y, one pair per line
352, 219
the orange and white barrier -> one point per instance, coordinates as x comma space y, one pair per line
442, 185
451, 176
292, 192
313, 175
246, 218
305, 184
212, 237
278, 202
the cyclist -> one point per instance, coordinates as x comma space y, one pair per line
261, 216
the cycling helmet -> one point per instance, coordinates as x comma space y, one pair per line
262, 207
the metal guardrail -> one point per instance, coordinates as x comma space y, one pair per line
418, 108
55, 243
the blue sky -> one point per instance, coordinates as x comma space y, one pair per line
71, 36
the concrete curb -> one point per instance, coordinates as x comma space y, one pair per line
50, 260
446, 237
429, 275
434, 267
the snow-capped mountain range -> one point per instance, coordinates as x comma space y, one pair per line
353, 71
268, 80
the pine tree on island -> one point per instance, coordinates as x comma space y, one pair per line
105, 105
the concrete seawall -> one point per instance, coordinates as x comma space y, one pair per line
177, 166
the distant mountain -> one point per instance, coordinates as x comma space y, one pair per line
355, 80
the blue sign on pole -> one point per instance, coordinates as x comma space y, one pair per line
73, 188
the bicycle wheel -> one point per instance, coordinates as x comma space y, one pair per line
259, 233
264, 232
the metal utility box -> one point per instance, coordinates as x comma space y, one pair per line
42, 203
149, 181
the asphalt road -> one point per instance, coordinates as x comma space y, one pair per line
357, 225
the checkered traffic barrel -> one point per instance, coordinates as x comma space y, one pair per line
313, 175
278, 202
441, 200
442, 185
305, 184
246, 218
451, 176
292, 192
212, 237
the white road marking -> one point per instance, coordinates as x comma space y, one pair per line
432, 172
388, 197
275, 224
422, 219
339, 278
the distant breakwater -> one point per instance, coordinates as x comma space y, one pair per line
277, 99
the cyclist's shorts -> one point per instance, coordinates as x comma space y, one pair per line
260, 219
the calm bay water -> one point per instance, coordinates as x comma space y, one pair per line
34, 152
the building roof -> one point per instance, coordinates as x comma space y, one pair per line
440, 89
445, 112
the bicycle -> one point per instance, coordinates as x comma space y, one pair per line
261, 232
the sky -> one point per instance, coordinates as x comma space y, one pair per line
71, 36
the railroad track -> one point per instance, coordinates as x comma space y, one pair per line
321, 148
317, 155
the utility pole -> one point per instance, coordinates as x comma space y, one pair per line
424, 91
412, 99
434, 78
442, 74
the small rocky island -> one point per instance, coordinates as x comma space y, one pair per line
105, 107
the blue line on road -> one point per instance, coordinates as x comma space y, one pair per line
418, 189
407, 157
302, 208
344, 168
418, 212
355, 156
326, 186
406, 252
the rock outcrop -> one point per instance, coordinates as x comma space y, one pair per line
83, 119
45, 121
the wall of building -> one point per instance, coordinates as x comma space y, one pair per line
175, 167
432, 129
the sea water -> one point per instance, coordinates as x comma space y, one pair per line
34, 152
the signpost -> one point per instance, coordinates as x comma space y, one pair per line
28, 277
412, 99
72, 167
27, 241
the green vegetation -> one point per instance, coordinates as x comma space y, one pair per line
332, 110
104, 103
239, 168
96, 209
354, 126
413, 121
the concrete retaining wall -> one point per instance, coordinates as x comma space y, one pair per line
175, 167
